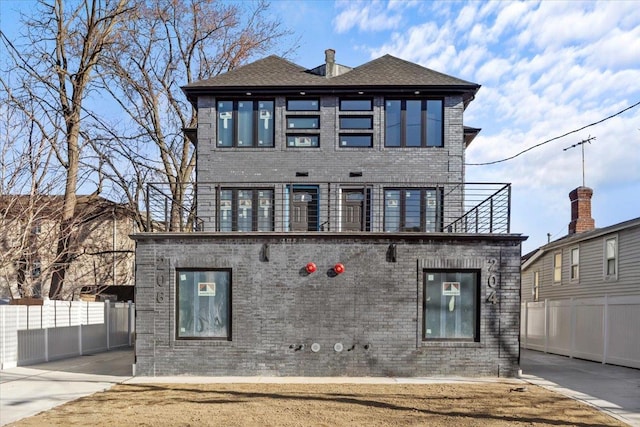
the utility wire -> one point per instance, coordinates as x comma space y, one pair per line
555, 138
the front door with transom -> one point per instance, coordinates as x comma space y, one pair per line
304, 209
353, 210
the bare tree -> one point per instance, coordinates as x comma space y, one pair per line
55, 71
168, 44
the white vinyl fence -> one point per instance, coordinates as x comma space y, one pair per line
599, 329
61, 329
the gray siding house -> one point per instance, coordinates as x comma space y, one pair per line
336, 235
581, 293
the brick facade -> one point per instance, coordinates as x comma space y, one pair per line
374, 309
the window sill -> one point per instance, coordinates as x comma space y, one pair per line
452, 344
204, 342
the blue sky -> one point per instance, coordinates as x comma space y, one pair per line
546, 68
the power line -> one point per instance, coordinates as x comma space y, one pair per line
555, 138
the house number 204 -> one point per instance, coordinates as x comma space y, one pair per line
492, 281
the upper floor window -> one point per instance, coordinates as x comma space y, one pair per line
413, 123
246, 209
303, 104
356, 105
611, 256
535, 290
557, 267
575, 263
356, 140
245, 123
413, 209
304, 122
36, 269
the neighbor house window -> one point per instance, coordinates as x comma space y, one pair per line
413, 123
246, 209
451, 305
575, 264
36, 269
535, 290
203, 304
413, 209
245, 123
611, 256
557, 267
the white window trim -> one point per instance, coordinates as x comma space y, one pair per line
553, 271
605, 259
571, 264
535, 293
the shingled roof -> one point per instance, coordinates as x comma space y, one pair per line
385, 73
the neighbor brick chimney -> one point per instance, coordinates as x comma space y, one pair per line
330, 63
581, 220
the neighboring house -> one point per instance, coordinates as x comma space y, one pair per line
581, 293
102, 255
336, 233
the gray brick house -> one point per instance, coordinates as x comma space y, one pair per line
336, 233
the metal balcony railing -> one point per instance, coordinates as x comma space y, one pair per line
426, 207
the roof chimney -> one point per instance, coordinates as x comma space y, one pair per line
581, 220
330, 62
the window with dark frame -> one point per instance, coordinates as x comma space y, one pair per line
451, 305
356, 104
414, 123
413, 209
356, 130
242, 209
203, 304
311, 104
245, 123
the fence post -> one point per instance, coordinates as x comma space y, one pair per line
129, 322
605, 329
80, 338
107, 322
572, 330
46, 344
546, 325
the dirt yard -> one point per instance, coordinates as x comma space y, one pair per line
478, 404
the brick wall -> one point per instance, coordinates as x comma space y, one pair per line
374, 307
329, 162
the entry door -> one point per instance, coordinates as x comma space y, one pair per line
304, 209
352, 210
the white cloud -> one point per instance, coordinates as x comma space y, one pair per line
546, 68
369, 16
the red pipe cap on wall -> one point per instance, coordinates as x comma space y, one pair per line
338, 268
310, 267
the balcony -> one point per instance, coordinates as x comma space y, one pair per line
363, 207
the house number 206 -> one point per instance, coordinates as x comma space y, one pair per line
492, 282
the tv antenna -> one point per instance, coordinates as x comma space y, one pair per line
581, 145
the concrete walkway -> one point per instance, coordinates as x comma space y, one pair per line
26, 391
612, 389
